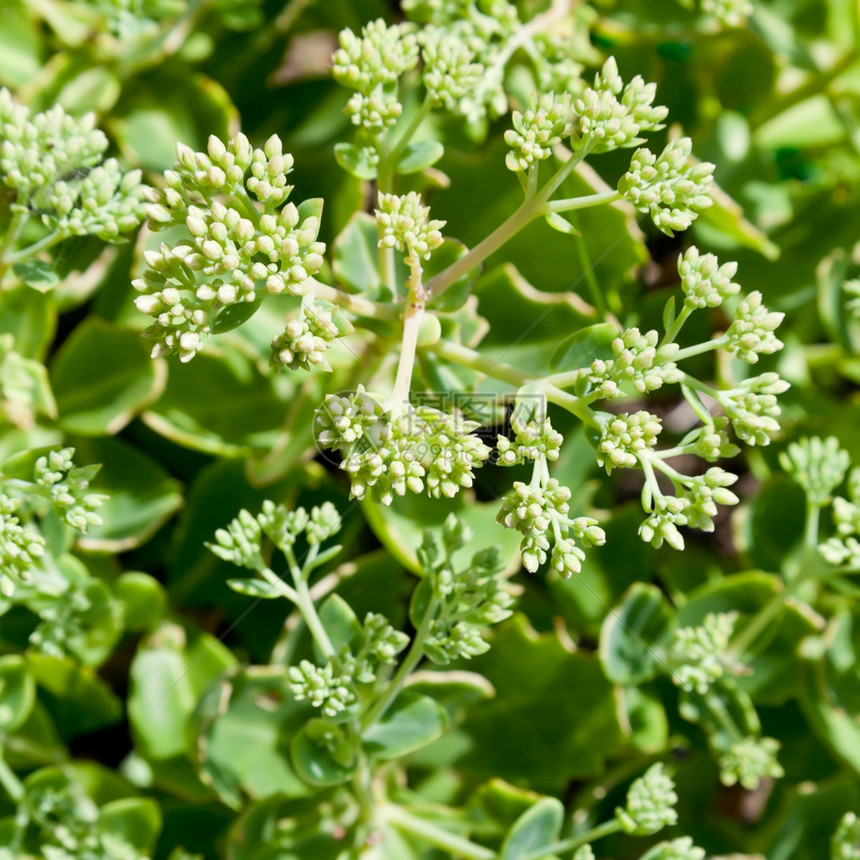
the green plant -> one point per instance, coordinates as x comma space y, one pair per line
327, 328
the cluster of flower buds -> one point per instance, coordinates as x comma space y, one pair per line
333, 687
752, 407
704, 493
371, 64
650, 803
627, 437
228, 255
419, 449
450, 70
321, 687
698, 654
751, 333
407, 226
539, 510
67, 485
466, 600
667, 513
638, 361
711, 441
845, 844
675, 849
819, 480
672, 191
241, 541
61, 622
305, 339
537, 130
21, 548
55, 165
749, 761
730, 13
24, 388
532, 439
818, 465
610, 115
705, 282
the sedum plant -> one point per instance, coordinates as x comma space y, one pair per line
512, 528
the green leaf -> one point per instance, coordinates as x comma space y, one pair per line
171, 669
220, 406
165, 107
135, 820
35, 743
314, 760
419, 156
642, 717
142, 495
253, 588
143, 598
76, 697
585, 346
20, 45
516, 736
412, 722
31, 317
557, 222
446, 255
234, 315
537, 828
353, 159
102, 377
341, 624
355, 254
243, 724
17, 693
37, 274
632, 635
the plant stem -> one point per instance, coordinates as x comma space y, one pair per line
700, 348
355, 304
457, 846
9, 780
573, 842
37, 247
412, 659
568, 204
279, 585
676, 327
409, 344
585, 261
403, 141
528, 210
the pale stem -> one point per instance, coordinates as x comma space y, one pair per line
763, 618
9, 780
36, 248
403, 141
384, 185
355, 304
279, 585
456, 846
405, 669
568, 204
409, 344
676, 327
700, 348
467, 357
573, 842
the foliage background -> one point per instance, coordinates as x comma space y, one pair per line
184, 447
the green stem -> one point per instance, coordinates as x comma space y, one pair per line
403, 141
587, 265
355, 304
763, 618
457, 846
700, 348
409, 344
574, 842
279, 585
412, 659
36, 248
673, 331
9, 780
528, 210
719, 710
568, 204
